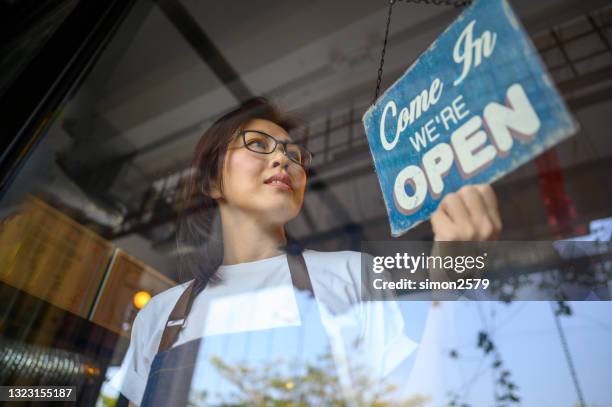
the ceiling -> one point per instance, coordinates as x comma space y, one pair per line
156, 88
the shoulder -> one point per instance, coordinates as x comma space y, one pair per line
346, 258
158, 308
335, 256
345, 265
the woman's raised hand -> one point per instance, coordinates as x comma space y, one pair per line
469, 214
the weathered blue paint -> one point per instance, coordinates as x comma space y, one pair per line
509, 68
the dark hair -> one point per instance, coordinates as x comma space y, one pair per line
199, 234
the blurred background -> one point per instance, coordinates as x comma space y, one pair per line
102, 105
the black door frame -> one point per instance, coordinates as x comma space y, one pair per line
37, 95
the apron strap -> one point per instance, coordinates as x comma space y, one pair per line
178, 316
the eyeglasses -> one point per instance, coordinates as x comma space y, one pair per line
263, 143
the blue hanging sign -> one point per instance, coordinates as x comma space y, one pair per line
473, 107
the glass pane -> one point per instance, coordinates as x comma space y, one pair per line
121, 205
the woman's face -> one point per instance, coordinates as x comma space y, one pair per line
246, 178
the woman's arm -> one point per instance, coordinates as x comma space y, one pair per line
470, 214
132, 376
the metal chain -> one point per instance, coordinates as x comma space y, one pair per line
384, 48
456, 3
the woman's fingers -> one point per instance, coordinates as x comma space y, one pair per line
458, 213
470, 214
442, 226
479, 213
486, 191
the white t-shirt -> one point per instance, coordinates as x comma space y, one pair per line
258, 296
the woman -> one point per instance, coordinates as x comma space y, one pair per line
248, 181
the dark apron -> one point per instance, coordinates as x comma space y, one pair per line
171, 377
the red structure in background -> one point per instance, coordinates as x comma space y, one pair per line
559, 206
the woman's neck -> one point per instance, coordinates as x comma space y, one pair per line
245, 239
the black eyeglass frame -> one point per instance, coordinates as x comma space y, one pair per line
276, 143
